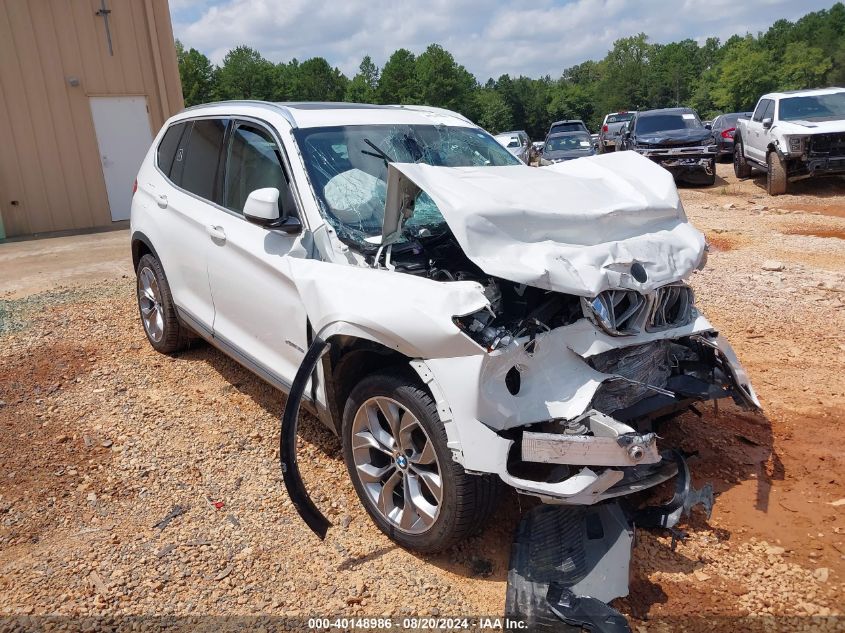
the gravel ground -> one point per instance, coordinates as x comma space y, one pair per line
138, 484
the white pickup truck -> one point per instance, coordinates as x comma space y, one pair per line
793, 135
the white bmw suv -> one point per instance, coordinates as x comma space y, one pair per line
483, 321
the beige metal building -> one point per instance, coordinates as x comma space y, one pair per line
84, 87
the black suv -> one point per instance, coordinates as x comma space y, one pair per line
675, 139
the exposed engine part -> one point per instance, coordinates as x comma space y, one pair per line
642, 365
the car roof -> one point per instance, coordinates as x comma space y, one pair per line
321, 114
572, 133
665, 111
568, 121
808, 93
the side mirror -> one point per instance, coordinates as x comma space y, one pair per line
262, 208
767, 123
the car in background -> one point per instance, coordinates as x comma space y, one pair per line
610, 129
517, 143
675, 139
793, 135
723, 130
566, 146
570, 125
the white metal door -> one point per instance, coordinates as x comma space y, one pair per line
123, 136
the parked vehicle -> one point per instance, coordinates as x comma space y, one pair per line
566, 146
457, 328
675, 139
611, 127
570, 125
792, 136
517, 143
723, 130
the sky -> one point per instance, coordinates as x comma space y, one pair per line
532, 38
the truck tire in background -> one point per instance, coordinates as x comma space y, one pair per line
741, 167
775, 174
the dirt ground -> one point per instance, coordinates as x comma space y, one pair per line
101, 439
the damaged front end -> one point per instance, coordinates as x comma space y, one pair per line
552, 335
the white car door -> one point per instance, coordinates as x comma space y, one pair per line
757, 141
257, 309
183, 189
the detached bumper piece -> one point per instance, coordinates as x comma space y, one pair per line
568, 562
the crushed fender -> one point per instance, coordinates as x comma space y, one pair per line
287, 443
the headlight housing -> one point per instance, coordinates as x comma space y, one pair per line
796, 144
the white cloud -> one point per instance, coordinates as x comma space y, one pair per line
489, 38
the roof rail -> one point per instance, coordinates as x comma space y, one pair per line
279, 108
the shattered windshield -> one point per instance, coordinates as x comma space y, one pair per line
347, 166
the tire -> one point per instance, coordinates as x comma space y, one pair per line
776, 182
377, 461
741, 167
156, 308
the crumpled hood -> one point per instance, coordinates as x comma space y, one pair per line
674, 137
575, 227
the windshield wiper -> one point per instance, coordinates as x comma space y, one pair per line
379, 153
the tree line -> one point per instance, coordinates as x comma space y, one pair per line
712, 77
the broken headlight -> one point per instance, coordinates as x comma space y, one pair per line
796, 144
479, 327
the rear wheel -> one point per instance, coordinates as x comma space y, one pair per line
775, 174
394, 446
155, 305
741, 167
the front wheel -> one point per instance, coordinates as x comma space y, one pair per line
741, 167
775, 174
394, 446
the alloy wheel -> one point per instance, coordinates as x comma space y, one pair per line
149, 299
396, 463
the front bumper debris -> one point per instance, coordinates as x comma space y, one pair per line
567, 563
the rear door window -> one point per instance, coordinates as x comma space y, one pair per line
201, 158
166, 152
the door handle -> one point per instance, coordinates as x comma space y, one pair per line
161, 200
216, 232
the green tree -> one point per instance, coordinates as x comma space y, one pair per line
362, 88
315, 80
245, 74
803, 66
398, 80
625, 82
745, 73
197, 74
493, 113
443, 82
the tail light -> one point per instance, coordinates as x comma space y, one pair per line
604, 128
729, 133
134, 186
